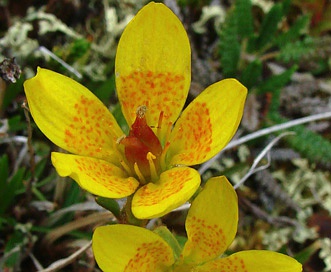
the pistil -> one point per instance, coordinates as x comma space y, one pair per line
142, 149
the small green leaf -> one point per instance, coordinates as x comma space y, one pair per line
105, 90
269, 26
110, 205
252, 74
310, 144
276, 82
229, 46
295, 31
170, 239
118, 114
244, 17
296, 50
4, 172
9, 188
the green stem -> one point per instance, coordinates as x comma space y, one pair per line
128, 217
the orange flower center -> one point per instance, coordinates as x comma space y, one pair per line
142, 149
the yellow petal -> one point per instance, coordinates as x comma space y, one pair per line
130, 248
173, 189
70, 115
253, 261
211, 222
207, 124
153, 65
94, 175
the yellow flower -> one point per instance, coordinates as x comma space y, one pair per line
211, 225
153, 73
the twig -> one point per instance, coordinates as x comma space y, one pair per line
31, 151
255, 135
264, 152
276, 221
263, 132
253, 168
66, 261
44, 50
95, 218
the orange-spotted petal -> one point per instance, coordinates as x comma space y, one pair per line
211, 223
207, 124
173, 189
71, 116
130, 248
253, 261
153, 65
96, 176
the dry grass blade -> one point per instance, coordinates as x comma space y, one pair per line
66, 261
95, 218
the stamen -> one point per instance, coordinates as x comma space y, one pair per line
150, 157
120, 156
162, 157
166, 147
139, 174
159, 125
126, 167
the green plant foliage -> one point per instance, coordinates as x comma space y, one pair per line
109, 204
16, 123
229, 45
193, 3
79, 48
294, 51
13, 249
276, 82
170, 239
310, 144
295, 31
104, 90
243, 9
9, 186
251, 74
269, 27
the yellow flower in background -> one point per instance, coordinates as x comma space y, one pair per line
153, 74
211, 225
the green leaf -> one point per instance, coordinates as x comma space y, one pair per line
310, 144
110, 205
15, 123
9, 188
167, 236
13, 249
118, 114
295, 31
286, 6
79, 48
269, 26
244, 16
12, 91
229, 46
105, 90
4, 172
296, 50
276, 82
252, 74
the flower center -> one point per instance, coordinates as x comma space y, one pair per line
143, 149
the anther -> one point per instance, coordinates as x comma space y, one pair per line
126, 166
150, 157
141, 110
139, 174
